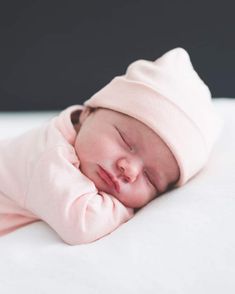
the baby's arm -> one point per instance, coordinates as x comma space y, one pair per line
68, 201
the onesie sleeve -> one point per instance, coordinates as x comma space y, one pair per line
68, 201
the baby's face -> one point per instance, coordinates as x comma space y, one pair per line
124, 158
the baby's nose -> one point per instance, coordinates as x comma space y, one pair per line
129, 169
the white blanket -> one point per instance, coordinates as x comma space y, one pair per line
181, 243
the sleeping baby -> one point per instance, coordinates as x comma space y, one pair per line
89, 169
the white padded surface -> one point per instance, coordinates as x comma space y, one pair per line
181, 243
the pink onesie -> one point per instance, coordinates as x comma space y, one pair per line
40, 179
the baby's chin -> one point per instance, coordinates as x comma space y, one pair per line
130, 203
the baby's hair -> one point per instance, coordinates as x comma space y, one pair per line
92, 109
75, 115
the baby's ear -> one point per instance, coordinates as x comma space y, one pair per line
84, 114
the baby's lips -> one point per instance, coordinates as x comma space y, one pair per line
109, 179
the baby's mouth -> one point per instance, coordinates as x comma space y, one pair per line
105, 176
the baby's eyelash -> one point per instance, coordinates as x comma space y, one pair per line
146, 175
150, 181
129, 146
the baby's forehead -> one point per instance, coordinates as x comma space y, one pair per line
135, 129
121, 117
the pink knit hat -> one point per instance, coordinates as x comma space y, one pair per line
168, 96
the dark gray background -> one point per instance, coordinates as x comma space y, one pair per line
57, 53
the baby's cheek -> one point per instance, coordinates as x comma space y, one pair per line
135, 194
86, 144
108, 147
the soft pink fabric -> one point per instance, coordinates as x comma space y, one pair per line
169, 97
41, 180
